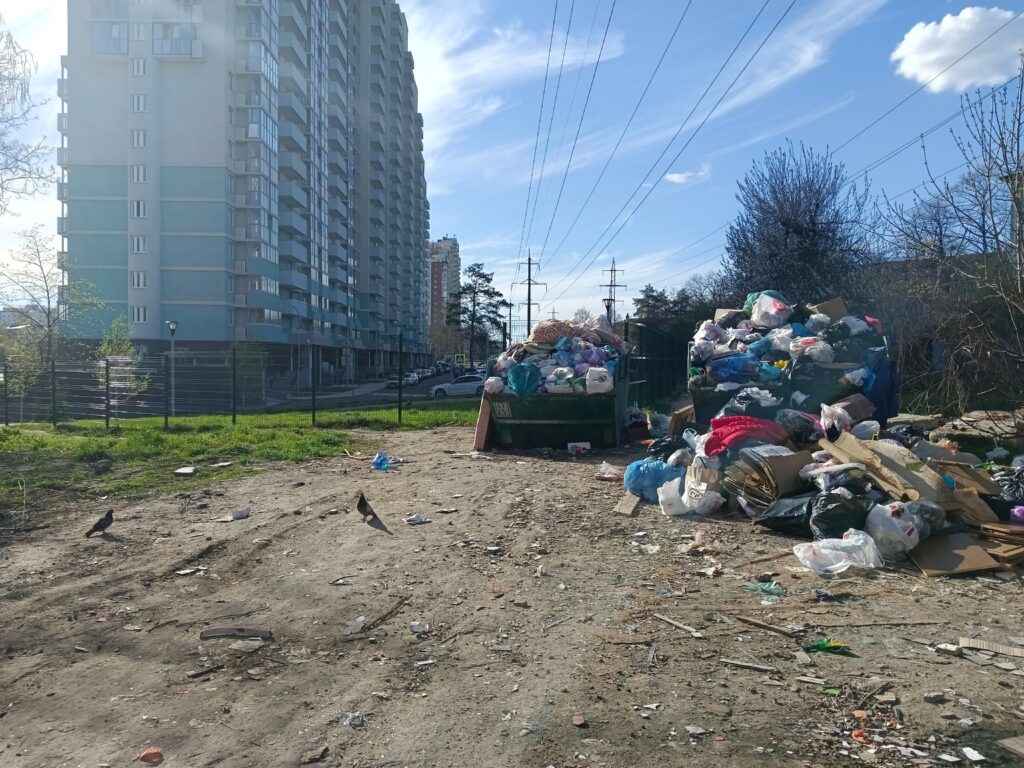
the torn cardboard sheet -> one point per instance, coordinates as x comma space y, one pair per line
948, 555
966, 476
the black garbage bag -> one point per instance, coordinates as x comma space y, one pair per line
1012, 483
801, 314
855, 348
801, 429
790, 515
664, 447
746, 404
933, 516
856, 481
821, 385
904, 434
833, 514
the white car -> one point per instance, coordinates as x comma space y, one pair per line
410, 379
471, 384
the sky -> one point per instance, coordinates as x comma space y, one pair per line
508, 178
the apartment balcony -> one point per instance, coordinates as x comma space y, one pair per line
265, 332
291, 102
291, 134
62, 88
62, 190
295, 308
291, 41
258, 300
336, 159
340, 230
62, 122
292, 193
294, 279
291, 220
293, 250
63, 157
62, 225
290, 77
335, 272
292, 163
337, 138
376, 270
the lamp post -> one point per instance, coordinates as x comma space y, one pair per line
609, 305
172, 326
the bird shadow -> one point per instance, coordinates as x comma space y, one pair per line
377, 523
113, 537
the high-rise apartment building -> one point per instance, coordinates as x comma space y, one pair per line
445, 269
251, 169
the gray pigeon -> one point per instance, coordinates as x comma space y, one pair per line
365, 509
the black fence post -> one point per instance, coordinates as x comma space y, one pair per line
7, 415
53, 392
106, 393
234, 386
167, 392
401, 374
504, 336
312, 384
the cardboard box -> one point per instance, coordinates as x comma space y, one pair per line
834, 308
721, 314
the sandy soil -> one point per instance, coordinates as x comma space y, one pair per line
526, 586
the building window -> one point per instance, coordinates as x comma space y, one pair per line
231, 318
138, 32
138, 279
110, 37
138, 174
138, 314
138, 66
139, 244
172, 39
138, 102
138, 138
140, 210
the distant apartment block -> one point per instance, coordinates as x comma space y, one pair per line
15, 317
251, 169
445, 269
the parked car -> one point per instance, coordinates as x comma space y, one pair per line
471, 384
411, 379
392, 383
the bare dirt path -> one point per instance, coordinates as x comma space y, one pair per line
530, 589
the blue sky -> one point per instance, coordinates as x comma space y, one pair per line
830, 68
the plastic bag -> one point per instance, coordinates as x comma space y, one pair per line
609, 472
759, 348
781, 339
852, 478
828, 557
739, 368
790, 515
709, 331
766, 311
855, 324
702, 482
494, 385
670, 498
599, 381
702, 351
595, 356
818, 323
643, 478
381, 461
681, 458
833, 513
580, 371
866, 430
893, 535
549, 331
523, 380
834, 417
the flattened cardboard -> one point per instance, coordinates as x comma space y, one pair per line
948, 555
927, 450
784, 471
858, 406
1006, 529
834, 308
721, 314
1003, 551
927, 482
972, 509
967, 476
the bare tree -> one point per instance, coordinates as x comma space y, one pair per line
24, 167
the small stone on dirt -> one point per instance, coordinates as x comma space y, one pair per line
936, 697
579, 721
102, 466
315, 755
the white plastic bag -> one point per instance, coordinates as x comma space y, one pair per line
855, 324
768, 312
709, 331
893, 535
818, 323
782, 339
494, 385
660, 421
816, 349
681, 458
670, 499
599, 381
856, 376
609, 472
833, 416
866, 430
828, 557
710, 503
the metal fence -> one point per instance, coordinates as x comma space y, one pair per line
185, 384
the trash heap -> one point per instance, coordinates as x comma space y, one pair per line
575, 357
799, 443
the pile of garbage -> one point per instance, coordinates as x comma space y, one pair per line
800, 444
578, 357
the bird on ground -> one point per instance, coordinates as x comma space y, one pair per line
365, 509
102, 524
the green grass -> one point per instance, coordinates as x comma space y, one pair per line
40, 461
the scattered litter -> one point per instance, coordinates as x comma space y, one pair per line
828, 645
747, 665
353, 719
418, 520
355, 626
133, 627
948, 649
151, 756
447, 510
419, 628
424, 663
240, 514
695, 633
772, 588
315, 755
247, 632
247, 646
972, 754
190, 571
949, 758
936, 697
185, 471
222, 464
608, 472
197, 673
82, 649
811, 680
695, 730
381, 461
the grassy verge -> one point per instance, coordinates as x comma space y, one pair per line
42, 465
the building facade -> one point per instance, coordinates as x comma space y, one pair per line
251, 169
445, 271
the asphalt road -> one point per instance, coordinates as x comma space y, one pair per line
416, 390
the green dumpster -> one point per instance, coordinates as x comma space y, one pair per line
555, 420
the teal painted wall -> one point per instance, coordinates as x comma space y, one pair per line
195, 182
98, 181
198, 323
98, 215
193, 286
194, 217
194, 251
89, 250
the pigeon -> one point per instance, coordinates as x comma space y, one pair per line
102, 524
365, 509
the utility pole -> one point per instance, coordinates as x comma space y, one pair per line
554, 316
612, 285
529, 283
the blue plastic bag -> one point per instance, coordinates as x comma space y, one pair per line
564, 344
739, 368
769, 373
760, 347
564, 359
381, 461
523, 380
800, 330
643, 478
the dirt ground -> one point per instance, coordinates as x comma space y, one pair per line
528, 587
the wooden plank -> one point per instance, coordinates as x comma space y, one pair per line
747, 665
692, 630
483, 438
985, 645
765, 626
1015, 745
627, 505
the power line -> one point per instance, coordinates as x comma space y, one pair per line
668, 146
693, 135
576, 138
551, 122
536, 144
636, 108
907, 98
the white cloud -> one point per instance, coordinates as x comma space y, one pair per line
689, 177
463, 66
928, 48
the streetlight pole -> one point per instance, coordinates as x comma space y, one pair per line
172, 326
